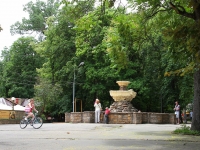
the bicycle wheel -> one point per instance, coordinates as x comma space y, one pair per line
37, 122
23, 123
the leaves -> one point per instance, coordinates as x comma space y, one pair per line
20, 70
38, 13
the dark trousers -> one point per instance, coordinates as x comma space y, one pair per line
106, 118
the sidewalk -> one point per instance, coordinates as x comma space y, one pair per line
132, 131
91, 136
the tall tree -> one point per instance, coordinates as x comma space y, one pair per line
46, 95
58, 49
185, 33
38, 14
90, 32
19, 72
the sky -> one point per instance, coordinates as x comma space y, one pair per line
11, 11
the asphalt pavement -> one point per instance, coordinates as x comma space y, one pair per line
85, 136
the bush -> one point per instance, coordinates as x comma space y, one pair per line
185, 130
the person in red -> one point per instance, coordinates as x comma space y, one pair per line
31, 107
107, 112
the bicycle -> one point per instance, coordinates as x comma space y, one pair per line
36, 123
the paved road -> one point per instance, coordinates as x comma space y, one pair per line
67, 136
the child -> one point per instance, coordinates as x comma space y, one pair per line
107, 112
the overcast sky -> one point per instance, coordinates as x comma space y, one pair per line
11, 11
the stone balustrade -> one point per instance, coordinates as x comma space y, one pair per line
114, 118
122, 117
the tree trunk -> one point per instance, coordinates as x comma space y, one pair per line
196, 103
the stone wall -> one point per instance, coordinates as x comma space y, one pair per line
88, 117
122, 118
114, 118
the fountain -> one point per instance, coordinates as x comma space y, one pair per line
122, 111
122, 98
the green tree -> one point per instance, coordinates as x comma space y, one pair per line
183, 34
58, 50
46, 95
133, 41
3, 62
38, 14
19, 72
99, 77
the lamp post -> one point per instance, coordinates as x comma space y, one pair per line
82, 63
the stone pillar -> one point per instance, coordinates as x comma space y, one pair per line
172, 118
145, 118
67, 117
101, 117
137, 118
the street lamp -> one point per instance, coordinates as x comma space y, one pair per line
82, 63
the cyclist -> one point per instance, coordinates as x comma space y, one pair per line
31, 107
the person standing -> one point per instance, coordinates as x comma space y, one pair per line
177, 112
107, 112
191, 113
98, 108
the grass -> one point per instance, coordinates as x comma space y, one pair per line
185, 130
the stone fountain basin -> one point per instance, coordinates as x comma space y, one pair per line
123, 83
120, 95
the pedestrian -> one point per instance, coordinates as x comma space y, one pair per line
177, 112
98, 109
191, 113
106, 115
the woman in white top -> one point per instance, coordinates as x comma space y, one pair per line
97, 106
177, 112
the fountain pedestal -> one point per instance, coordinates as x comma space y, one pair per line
122, 98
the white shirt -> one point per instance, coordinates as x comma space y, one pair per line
97, 106
177, 108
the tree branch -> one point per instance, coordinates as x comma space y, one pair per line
181, 11
1, 28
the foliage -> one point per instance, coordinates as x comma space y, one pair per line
183, 35
157, 52
38, 13
19, 69
90, 31
46, 94
185, 130
189, 107
1, 28
120, 39
57, 68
